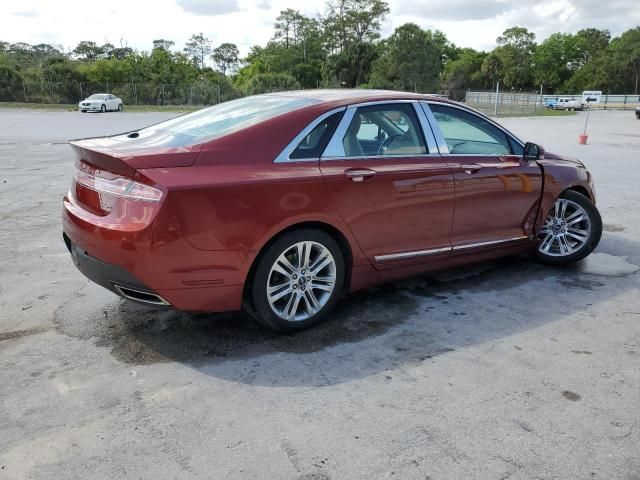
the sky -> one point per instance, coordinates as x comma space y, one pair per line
136, 23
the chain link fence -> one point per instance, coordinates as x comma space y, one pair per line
532, 103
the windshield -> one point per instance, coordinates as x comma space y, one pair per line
229, 117
97, 97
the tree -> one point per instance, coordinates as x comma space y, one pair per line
412, 59
198, 49
10, 83
492, 67
555, 60
625, 56
351, 27
226, 57
591, 43
515, 49
465, 72
163, 44
86, 50
287, 26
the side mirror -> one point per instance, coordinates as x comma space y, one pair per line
532, 151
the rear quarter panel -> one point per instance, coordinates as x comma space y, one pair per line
235, 198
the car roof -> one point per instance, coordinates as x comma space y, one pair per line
347, 96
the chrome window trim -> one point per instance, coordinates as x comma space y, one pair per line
283, 157
433, 251
335, 147
373, 157
472, 112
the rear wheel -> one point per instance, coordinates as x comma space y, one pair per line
103, 108
119, 107
298, 280
571, 231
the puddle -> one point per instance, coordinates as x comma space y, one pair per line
140, 335
607, 265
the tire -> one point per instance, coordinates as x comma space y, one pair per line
295, 299
561, 245
103, 108
120, 107
566, 109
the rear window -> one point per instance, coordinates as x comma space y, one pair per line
229, 117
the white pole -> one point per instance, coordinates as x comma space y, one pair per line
541, 99
495, 109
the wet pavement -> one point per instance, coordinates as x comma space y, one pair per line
506, 369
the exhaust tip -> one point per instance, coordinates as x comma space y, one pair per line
140, 296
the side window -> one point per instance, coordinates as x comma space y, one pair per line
466, 133
381, 130
314, 143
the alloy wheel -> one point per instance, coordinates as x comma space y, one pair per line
301, 281
566, 230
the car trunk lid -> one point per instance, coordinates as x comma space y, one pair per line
107, 168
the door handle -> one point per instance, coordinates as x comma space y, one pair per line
359, 174
470, 168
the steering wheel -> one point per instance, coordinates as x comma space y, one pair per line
389, 141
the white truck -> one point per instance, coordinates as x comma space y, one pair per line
569, 103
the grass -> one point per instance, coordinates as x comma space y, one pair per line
127, 108
546, 112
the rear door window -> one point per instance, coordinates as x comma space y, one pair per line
384, 130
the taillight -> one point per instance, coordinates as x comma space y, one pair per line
111, 187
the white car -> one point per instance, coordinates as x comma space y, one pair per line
101, 102
566, 103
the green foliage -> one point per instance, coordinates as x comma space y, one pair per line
198, 49
10, 81
226, 57
412, 59
515, 50
271, 82
351, 29
555, 60
466, 72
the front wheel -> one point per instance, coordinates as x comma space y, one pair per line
298, 280
571, 231
103, 108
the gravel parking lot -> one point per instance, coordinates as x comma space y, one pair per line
503, 370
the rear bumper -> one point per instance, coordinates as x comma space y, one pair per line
112, 277
145, 258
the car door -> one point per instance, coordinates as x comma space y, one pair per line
111, 102
497, 190
384, 175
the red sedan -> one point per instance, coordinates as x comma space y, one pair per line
281, 203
